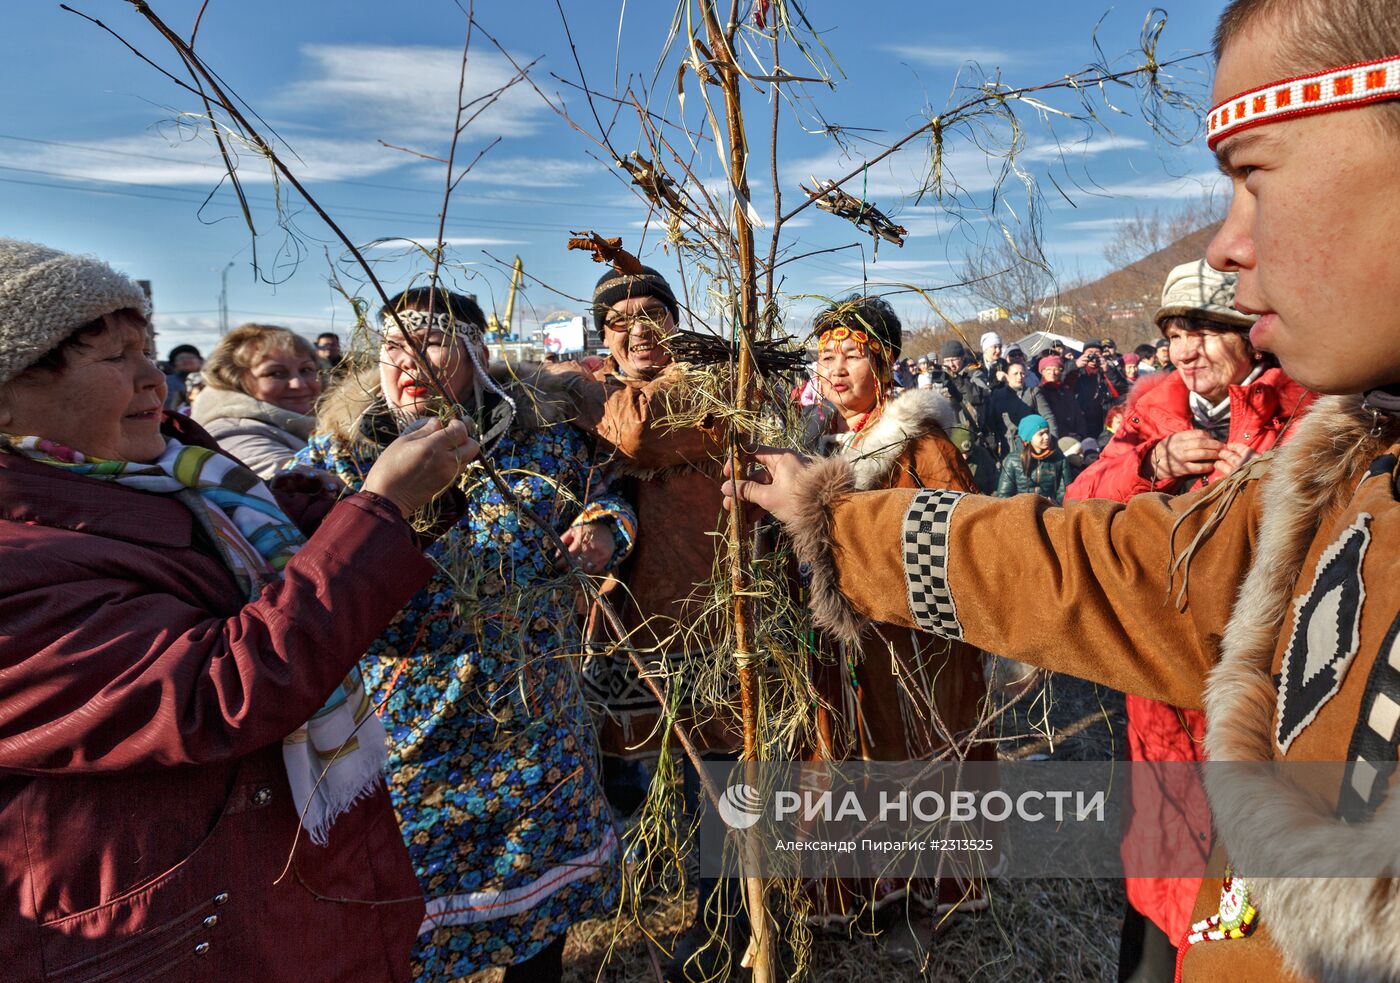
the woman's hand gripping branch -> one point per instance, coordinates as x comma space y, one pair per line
418, 465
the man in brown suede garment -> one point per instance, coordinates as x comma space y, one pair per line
1272, 601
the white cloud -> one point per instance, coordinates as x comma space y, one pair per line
530, 172
843, 282
952, 56
1088, 147
1188, 186
405, 95
187, 155
203, 332
406, 92
892, 177
924, 220
899, 176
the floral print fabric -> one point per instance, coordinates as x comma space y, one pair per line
492, 756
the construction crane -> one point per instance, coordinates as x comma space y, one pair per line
503, 330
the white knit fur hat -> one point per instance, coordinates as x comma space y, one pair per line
46, 295
1198, 288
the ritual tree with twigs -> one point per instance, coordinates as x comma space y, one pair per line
723, 81
770, 53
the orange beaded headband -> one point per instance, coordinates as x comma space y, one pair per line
838, 334
1332, 88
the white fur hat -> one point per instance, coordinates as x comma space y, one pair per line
46, 295
989, 339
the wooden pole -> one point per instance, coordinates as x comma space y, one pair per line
759, 954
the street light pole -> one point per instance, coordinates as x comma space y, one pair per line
223, 298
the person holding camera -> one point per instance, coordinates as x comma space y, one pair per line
1097, 385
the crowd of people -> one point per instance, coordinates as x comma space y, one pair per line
293, 644
1071, 387
505, 788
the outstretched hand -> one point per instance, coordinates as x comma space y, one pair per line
770, 482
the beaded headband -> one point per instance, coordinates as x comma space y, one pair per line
415, 320
1320, 92
841, 333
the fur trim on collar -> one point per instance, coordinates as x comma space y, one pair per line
542, 399
230, 404
1336, 929
908, 417
819, 486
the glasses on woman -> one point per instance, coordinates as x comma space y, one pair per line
649, 316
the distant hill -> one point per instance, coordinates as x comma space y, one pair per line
1118, 305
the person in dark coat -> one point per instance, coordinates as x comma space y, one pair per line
1012, 401
965, 383
181, 362
1097, 384
190, 773
1064, 406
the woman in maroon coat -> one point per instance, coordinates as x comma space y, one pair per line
172, 652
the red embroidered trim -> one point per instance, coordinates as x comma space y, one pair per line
1318, 92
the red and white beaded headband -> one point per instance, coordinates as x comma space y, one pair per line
1321, 92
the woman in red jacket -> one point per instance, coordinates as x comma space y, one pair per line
189, 770
1225, 404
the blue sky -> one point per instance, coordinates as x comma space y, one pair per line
98, 154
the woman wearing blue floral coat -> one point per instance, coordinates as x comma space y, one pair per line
492, 754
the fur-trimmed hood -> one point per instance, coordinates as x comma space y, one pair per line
542, 399
1341, 930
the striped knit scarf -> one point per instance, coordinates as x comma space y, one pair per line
336, 757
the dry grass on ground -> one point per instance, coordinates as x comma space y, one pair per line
1034, 931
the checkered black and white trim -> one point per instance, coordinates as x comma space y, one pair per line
926, 561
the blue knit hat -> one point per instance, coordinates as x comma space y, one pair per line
1030, 426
